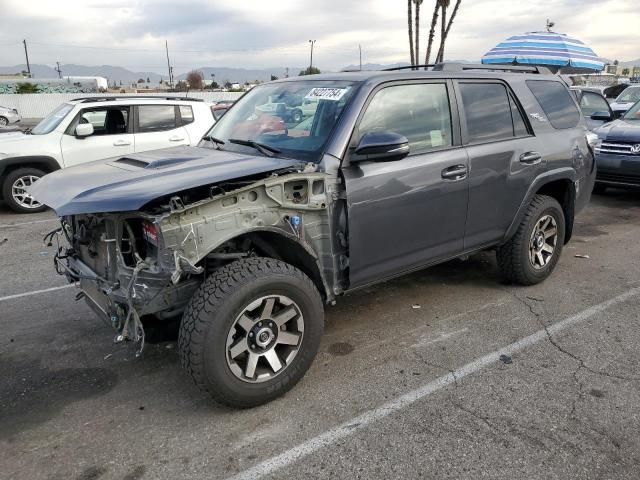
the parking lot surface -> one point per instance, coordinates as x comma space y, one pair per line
445, 373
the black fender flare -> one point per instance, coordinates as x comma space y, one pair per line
565, 173
50, 163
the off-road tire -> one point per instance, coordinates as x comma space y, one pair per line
4, 122
513, 256
599, 189
296, 115
212, 311
9, 181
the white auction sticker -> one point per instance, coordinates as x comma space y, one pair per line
325, 93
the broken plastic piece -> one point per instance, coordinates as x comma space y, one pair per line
581, 256
506, 359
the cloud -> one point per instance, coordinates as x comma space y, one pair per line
257, 33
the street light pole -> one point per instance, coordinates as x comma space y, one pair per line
312, 42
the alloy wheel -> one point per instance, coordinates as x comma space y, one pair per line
265, 338
20, 194
542, 244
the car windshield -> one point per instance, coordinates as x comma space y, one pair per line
50, 122
633, 113
269, 114
631, 94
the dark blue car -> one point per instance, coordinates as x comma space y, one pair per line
618, 152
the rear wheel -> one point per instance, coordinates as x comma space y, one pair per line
251, 331
532, 253
4, 122
14, 190
296, 115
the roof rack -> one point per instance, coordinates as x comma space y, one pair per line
461, 67
120, 97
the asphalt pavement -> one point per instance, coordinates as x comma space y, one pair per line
445, 373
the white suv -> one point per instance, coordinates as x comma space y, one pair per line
88, 129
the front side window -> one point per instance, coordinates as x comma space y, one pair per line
630, 95
633, 113
591, 103
51, 121
487, 110
156, 118
272, 115
105, 121
557, 103
420, 112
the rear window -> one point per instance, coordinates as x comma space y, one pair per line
557, 103
156, 118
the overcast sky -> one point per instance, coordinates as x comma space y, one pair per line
270, 33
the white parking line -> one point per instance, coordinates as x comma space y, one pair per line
35, 292
8, 225
350, 426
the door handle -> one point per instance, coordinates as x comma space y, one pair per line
531, 158
457, 172
121, 143
176, 138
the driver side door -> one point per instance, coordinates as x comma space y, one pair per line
408, 213
112, 135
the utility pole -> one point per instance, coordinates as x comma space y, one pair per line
312, 42
166, 46
360, 48
26, 54
58, 70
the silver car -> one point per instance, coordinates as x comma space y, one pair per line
9, 116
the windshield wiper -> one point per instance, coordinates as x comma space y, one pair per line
267, 150
213, 139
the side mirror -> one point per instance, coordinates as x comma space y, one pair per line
602, 116
84, 130
381, 146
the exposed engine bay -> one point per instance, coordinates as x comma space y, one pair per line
142, 265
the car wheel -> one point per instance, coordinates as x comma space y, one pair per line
532, 253
3, 122
14, 190
251, 331
599, 189
296, 116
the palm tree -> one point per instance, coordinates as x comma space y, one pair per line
409, 18
432, 32
417, 54
445, 31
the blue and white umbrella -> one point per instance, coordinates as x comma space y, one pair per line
544, 48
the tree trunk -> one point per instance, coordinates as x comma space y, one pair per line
443, 41
443, 28
432, 33
417, 32
409, 15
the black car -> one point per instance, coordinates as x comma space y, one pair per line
615, 90
244, 239
618, 152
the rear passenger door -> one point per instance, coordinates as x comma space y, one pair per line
158, 126
407, 213
504, 158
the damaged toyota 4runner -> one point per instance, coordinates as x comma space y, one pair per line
246, 237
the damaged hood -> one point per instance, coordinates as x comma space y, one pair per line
128, 183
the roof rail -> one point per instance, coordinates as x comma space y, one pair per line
408, 67
460, 67
120, 97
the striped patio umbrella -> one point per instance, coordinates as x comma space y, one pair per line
554, 50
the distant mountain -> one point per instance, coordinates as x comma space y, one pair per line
241, 75
113, 74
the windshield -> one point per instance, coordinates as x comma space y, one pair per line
50, 122
631, 94
293, 119
633, 113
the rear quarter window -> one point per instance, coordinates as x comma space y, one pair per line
556, 102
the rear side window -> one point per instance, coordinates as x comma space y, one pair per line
186, 113
488, 112
156, 118
557, 103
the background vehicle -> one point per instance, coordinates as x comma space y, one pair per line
625, 100
219, 109
247, 237
594, 107
8, 116
618, 152
615, 90
88, 129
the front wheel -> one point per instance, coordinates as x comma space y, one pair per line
296, 116
15, 190
251, 331
4, 122
532, 253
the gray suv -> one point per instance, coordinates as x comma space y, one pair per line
243, 239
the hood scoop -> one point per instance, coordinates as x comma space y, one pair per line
133, 162
156, 163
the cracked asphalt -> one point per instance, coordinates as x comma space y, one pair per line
75, 406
